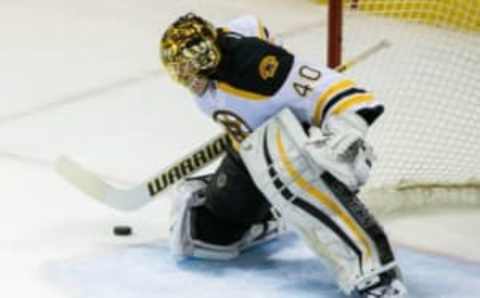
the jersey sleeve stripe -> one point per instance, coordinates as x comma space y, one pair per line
355, 100
327, 95
340, 97
229, 89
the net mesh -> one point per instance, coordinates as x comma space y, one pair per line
429, 138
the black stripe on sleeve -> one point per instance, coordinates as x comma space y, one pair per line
340, 96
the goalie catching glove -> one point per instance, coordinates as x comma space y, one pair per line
340, 148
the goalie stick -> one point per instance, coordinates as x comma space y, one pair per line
140, 195
131, 199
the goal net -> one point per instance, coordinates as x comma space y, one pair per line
428, 141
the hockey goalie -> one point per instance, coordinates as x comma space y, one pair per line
298, 159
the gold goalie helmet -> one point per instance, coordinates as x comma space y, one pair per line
188, 49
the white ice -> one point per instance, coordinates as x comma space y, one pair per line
83, 78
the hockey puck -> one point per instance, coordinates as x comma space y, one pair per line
122, 231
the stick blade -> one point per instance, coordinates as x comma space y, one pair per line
93, 186
86, 181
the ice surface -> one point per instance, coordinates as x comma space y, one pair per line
283, 268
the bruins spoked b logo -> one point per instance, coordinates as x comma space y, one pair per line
235, 126
268, 67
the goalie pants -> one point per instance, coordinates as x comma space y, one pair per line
233, 204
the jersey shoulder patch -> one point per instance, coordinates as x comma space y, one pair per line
252, 68
268, 67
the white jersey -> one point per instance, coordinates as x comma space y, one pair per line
314, 93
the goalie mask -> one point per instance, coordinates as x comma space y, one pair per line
188, 50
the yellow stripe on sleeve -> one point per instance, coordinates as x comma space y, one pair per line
327, 95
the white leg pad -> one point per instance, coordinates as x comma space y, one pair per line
278, 162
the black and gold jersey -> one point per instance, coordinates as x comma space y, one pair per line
251, 66
256, 79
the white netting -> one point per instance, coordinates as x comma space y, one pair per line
429, 138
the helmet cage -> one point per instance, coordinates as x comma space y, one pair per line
188, 49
